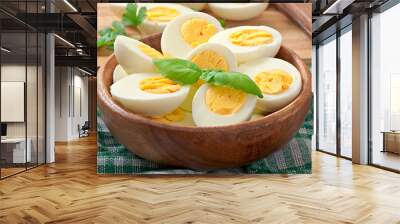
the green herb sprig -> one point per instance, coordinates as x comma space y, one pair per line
187, 73
179, 70
132, 16
222, 22
108, 35
235, 80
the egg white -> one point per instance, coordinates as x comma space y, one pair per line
127, 92
220, 49
172, 43
119, 73
274, 102
249, 53
237, 11
151, 27
132, 59
202, 116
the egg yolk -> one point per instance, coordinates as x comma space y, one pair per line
161, 14
197, 31
175, 116
149, 51
210, 60
159, 85
273, 82
224, 100
250, 37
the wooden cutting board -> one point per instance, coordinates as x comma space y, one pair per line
294, 36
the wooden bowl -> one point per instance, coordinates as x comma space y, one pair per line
203, 147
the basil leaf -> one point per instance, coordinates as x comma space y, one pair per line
222, 22
105, 31
118, 27
142, 14
108, 35
178, 70
186, 72
235, 80
132, 16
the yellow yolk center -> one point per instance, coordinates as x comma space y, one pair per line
175, 116
162, 14
210, 60
159, 85
197, 31
149, 51
273, 82
224, 100
250, 37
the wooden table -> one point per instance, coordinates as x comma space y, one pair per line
293, 35
391, 141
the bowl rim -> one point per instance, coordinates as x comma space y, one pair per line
104, 95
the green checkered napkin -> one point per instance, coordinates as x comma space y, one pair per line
293, 158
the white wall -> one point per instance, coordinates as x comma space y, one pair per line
61, 104
70, 83
12, 73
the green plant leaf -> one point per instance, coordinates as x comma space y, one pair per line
132, 16
235, 80
178, 70
142, 14
187, 73
118, 27
222, 22
105, 31
108, 35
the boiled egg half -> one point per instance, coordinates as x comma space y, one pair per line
220, 105
149, 94
250, 42
209, 56
119, 73
177, 117
237, 11
135, 56
158, 15
279, 81
188, 31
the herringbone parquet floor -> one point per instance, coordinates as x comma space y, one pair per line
70, 191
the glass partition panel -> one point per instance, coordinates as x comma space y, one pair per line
327, 96
346, 94
23, 88
385, 89
14, 153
